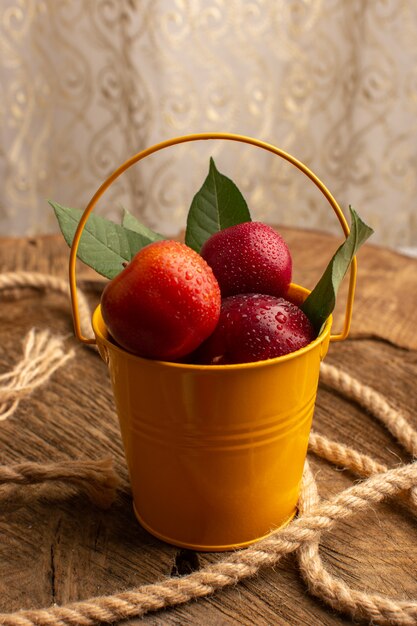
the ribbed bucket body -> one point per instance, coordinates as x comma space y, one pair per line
215, 453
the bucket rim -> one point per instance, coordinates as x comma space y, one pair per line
97, 320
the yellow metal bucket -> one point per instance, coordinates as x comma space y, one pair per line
215, 453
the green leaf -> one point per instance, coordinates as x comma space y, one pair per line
131, 223
217, 205
321, 301
104, 245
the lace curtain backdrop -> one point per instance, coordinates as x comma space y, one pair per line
86, 84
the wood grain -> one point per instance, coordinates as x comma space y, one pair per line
58, 552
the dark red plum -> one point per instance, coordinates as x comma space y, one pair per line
254, 327
249, 258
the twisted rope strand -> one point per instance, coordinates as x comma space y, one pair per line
374, 607
45, 282
97, 479
378, 406
40, 348
373, 401
342, 455
320, 582
43, 355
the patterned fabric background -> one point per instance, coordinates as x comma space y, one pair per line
85, 85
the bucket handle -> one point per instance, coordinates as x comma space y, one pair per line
197, 137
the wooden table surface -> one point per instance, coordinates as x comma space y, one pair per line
60, 552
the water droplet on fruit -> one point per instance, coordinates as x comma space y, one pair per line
281, 318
